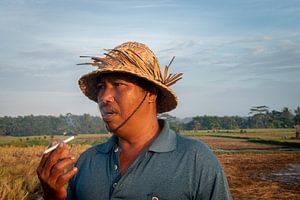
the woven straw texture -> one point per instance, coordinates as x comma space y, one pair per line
135, 59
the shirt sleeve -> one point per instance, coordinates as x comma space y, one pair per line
211, 182
216, 187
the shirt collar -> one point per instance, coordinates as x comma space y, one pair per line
107, 146
165, 141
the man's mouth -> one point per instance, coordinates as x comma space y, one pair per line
107, 114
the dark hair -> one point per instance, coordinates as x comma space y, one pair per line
147, 85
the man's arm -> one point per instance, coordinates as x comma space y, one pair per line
53, 174
210, 180
215, 187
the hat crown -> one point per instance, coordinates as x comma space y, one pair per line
135, 56
141, 49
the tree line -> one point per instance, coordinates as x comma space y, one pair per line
259, 117
51, 125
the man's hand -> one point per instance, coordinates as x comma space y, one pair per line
53, 174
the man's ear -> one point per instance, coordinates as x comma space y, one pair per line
152, 94
152, 97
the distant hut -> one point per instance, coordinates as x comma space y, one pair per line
297, 127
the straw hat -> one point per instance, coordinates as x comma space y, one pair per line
136, 59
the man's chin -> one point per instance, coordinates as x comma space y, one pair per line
110, 126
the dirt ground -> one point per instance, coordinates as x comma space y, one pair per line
258, 175
234, 144
263, 176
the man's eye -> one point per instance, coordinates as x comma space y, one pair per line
100, 86
118, 84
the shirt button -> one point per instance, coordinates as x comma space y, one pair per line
116, 150
115, 167
114, 185
155, 198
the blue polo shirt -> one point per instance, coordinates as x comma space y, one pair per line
173, 167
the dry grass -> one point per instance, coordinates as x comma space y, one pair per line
255, 176
18, 178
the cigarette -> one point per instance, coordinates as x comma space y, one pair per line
55, 146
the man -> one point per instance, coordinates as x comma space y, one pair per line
144, 159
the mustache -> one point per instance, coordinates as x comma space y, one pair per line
107, 108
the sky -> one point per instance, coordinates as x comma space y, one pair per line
234, 54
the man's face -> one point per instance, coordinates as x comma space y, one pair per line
118, 97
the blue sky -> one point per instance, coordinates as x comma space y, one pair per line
234, 54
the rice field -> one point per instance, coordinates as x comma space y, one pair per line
254, 170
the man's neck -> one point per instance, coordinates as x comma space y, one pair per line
135, 141
140, 136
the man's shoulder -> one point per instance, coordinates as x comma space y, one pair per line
191, 144
196, 149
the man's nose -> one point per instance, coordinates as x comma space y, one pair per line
105, 95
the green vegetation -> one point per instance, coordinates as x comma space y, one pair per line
260, 118
51, 125
28, 141
282, 137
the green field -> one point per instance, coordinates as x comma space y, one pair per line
27, 141
285, 137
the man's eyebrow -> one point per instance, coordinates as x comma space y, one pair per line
111, 80
120, 79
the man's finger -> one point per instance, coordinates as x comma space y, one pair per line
60, 153
63, 179
59, 168
45, 157
41, 165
